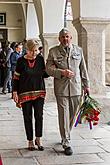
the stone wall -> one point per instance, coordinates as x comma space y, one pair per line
107, 67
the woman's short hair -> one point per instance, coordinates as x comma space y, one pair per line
31, 44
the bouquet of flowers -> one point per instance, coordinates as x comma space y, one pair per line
89, 111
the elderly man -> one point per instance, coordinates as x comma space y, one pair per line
66, 64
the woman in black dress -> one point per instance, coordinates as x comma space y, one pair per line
29, 91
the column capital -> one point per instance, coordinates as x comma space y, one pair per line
49, 38
91, 20
91, 23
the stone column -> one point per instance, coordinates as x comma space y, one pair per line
91, 38
48, 41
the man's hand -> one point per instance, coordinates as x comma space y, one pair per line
68, 73
86, 90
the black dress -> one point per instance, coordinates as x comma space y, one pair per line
28, 78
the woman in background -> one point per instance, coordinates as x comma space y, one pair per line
29, 91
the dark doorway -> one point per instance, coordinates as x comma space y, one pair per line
3, 35
3, 39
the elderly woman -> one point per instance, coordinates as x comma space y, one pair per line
29, 91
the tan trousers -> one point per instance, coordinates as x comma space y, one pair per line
67, 107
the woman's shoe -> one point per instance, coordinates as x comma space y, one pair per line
40, 147
31, 146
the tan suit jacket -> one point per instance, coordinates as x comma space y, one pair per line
58, 60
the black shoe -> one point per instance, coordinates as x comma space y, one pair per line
68, 151
3, 92
40, 147
9, 91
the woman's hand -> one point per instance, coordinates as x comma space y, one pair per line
15, 97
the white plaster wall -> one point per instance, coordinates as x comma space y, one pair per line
32, 23
95, 8
15, 35
13, 15
13, 21
53, 16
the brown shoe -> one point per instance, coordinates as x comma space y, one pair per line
31, 146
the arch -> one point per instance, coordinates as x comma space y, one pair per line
39, 11
24, 16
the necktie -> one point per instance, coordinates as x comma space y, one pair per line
67, 50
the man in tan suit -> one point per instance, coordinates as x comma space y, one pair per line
66, 64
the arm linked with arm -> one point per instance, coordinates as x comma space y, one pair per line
51, 68
45, 75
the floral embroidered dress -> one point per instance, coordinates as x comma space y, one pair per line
28, 79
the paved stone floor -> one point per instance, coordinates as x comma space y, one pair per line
91, 147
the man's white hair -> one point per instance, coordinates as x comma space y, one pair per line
63, 31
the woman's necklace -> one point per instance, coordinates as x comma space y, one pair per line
31, 63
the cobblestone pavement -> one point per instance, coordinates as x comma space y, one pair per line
90, 147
